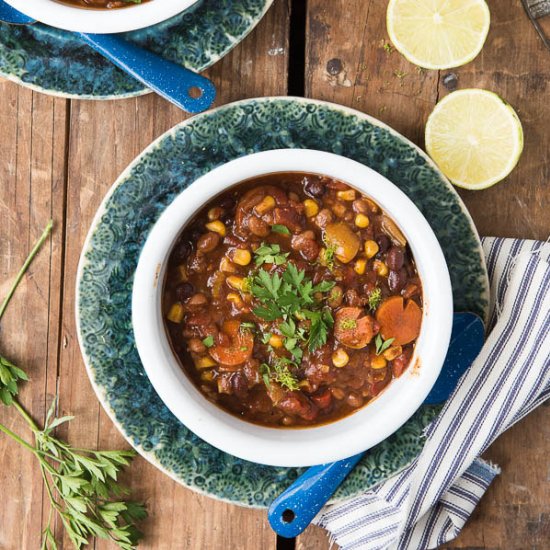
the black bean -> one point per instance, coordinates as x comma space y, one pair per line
395, 258
182, 250
397, 280
314, 187
184, 291
383, 242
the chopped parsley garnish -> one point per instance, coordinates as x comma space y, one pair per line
280, 372
282, 229
375, 297
327, 258
208, 341
382, 345
247, 327
270, 254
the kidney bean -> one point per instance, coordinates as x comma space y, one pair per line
314, 187
197, 263
322, 399
307, 246
400, 363
184, 291
354, 400
383, 242
397, 280
395, 258
239, 384
198, 299
195, 345
353, 299
258, 227
208, 242
360, 206
324, 218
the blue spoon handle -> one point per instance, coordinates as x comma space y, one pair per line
173, 82
294, 509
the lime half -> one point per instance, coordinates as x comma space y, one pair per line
438, 34
474, 137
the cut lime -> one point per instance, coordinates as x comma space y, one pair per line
438, 34
474, 137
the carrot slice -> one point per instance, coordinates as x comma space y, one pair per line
398, 320
352, 328
240, 347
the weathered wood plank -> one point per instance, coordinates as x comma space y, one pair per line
104, 138
32, 170
346, 62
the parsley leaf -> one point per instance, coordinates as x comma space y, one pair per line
280, 372
270, 254
321, 321
282, 229
208, 341
382, 345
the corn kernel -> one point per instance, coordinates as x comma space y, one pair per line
371, 249
207, 376
242, 256
378, 362
236, 282
360, 266
234, 298
311, 208
348, 195
176, 313
305, 385
215, 213
362, 221
380, 267
217, 227
182, 274
276, 341
266, 205
227, 266
325, 369
204, 362
391, 353
340, 358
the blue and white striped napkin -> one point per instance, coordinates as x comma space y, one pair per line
428, 503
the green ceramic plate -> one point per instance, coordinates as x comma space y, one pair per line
57, 63
137, 200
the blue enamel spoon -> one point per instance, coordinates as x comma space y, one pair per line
186, 89
293, 510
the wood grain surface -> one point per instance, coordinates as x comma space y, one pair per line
59, 157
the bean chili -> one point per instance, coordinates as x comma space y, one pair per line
292, 300
103, 4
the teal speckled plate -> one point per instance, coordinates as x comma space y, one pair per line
137, 200
58, 63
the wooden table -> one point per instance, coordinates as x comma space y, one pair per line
59, 157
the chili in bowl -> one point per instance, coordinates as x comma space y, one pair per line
101, 16
292, 307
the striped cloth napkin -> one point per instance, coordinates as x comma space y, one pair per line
428, 503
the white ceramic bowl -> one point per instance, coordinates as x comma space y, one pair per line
305, 446
72, 18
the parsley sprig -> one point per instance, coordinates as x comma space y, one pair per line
292, 298
270, 254
81, 484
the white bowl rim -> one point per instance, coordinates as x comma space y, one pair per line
104, 21
306, 446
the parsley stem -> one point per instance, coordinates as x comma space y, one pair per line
26, 416
25, 266
18, 439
